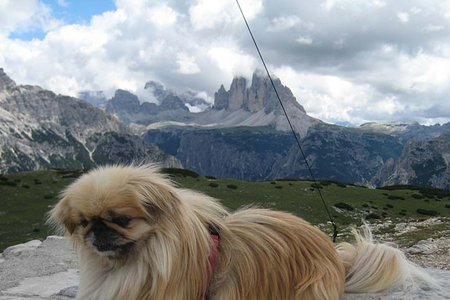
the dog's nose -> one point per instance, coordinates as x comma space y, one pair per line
99, 227
103, 236
102, 245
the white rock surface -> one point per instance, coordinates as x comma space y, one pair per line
45, 286
17, 249
49, 271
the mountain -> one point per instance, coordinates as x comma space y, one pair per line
40, 129
333, 152
127, 107
244, 104
96, 98
263, 153
422, 162
255, 105
245, 135
191, 99
407, 131
167, 105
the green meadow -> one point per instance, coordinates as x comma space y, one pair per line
25, 199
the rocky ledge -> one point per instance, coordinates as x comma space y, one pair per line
48, 270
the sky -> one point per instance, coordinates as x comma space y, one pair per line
346, 61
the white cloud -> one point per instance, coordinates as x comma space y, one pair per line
25, 15
232, 61
207, 14
352, 4
187, 64
403, 17
378, 3
328, 97
163, 15
284, 22
433, 28
133, 7
304, 40
388, 106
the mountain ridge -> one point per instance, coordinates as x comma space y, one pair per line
245, 103
244, 135
40, 129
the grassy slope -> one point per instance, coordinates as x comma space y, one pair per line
23, 207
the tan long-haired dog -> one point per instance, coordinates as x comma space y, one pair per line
138, 236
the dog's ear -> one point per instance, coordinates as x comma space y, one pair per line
61, 216
157, 198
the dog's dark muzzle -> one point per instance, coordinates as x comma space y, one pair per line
105, 238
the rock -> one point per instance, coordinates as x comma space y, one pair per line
44, 286
5, 81
400, 227
123, 101
18, 249
53, 256
70, 292
423, 247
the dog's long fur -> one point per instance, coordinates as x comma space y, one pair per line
263, 254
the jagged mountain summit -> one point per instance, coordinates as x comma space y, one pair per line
127, 107
251, 104
255, 104
190, 98
39, 129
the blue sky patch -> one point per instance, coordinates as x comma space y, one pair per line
68, 12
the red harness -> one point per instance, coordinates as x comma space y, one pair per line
214, 232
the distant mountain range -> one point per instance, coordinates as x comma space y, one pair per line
244, 104
242, 135
39, 130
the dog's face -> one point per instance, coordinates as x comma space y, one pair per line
113, 210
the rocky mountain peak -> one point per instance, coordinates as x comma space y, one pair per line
173, 102
238, 93
256, 97
221, 98
5, 81
158, 90
123, 101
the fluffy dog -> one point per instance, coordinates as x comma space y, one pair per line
139, 236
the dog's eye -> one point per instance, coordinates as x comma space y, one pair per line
121, 221
84, 222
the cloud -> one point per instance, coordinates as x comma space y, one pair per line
207, 14
187, 64
285, 22
345, 60
304, 40
232, 61
163, 16
403, 17
25, 15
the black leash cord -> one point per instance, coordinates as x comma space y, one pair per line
330, 217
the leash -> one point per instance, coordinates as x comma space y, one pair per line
214, 233
330, 217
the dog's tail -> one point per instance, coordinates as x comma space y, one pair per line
375, 267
